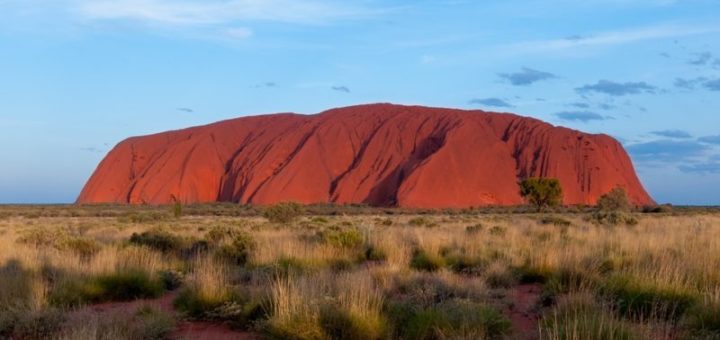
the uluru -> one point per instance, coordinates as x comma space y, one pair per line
377, 154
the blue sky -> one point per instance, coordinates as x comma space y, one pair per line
78, 76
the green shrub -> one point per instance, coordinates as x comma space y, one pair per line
292, 265
614, 218
239, 250
159, 240
615, 200
638, 299
121, 286
283, 212
374, 254
217, 235
171, 279
422, 260
528, 273
351, 238
129, 285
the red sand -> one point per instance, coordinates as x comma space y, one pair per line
523, 314
380, 154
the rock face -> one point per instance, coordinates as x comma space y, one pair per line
380, 154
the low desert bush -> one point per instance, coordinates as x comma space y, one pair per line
374, 254
283, 212
123, 285
218, 234
159, 240
40, 237
614, 218
238, 250
234, 307
465, 264
349, 238
426, 261
171, 279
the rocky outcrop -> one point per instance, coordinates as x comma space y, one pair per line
380, 154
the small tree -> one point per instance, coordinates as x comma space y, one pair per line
177, 206
542, 192
614, 208
615, 200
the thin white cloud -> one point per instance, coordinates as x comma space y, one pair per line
185, 12
612, 38
238, 33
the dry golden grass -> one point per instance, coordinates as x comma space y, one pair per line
301, 279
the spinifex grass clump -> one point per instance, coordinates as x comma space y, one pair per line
325, 306
425, 260
452, 319
580, 317
643, 299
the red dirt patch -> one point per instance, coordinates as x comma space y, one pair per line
210, 331
522, 313
185, 329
